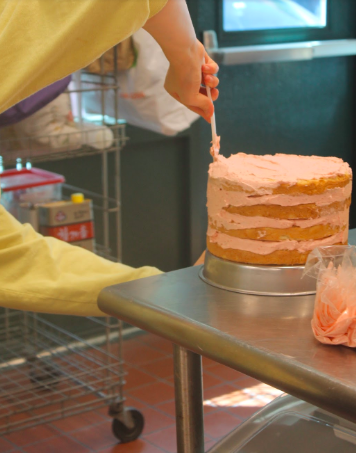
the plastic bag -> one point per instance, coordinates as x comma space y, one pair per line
143, 101
334, 319
53, 129
125, 59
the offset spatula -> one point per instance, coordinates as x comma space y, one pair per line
215, 147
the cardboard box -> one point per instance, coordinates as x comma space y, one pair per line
65, 213
69, 222
70, 233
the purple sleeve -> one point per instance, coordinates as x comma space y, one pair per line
35, 102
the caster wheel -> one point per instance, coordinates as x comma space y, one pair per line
125, 434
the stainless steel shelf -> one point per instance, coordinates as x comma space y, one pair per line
268, 53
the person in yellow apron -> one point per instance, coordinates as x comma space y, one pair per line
43, 41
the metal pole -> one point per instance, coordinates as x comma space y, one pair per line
189, 400
117, 162
104, 170
105, 193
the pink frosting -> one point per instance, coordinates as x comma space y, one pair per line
219, 198
215, 149
334, 320
254, 173
239, 222
266, 247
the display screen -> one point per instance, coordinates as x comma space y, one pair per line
246, 15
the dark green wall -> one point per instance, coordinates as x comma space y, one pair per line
155, 196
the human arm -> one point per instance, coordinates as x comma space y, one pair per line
190, 64
43, 274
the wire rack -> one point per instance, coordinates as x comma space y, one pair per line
46, 372
56, 373
43, 149
105, 214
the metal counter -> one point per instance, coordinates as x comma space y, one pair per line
268, 338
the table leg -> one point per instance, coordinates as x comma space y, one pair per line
189, 400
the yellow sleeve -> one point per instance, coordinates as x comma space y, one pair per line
43, 274
156, 6
42, 41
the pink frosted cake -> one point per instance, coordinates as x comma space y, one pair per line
276, 209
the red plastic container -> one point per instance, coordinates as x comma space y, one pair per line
29, 186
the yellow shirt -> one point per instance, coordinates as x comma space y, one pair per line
42, 41
43, 274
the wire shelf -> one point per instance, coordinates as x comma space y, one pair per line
102, 206
45, 148
48, 373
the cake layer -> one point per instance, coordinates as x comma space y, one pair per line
283, 234
262, 247
278, 257
280, 174
301, 187
236, 221
220, 198
305, 211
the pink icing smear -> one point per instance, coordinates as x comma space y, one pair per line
253, 172
239, 222
218, 198
215, 149
266, 247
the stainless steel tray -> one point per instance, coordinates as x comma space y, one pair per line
251, 279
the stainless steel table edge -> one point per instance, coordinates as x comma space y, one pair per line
184, 332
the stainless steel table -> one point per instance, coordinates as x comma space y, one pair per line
268, 338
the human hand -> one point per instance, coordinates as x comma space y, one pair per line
185, 77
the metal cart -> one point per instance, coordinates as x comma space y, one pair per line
47, 372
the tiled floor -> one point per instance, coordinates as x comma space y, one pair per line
230, 397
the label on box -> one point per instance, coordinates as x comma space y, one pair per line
70, 233
63, 213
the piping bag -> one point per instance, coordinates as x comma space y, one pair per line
334, 319
215, 144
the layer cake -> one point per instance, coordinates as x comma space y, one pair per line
275, 209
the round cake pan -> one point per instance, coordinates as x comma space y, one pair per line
253, 279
